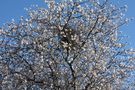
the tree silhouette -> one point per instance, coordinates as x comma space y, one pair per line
70, 45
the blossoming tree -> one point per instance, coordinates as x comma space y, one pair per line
69, 45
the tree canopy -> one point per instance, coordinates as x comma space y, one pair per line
69, 45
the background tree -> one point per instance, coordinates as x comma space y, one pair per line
70, 45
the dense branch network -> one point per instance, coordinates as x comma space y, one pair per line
70, 45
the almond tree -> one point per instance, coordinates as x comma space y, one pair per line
69, 45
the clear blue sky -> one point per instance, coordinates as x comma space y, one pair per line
130, 29
10, 9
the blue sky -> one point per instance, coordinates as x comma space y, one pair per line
129, 30
10, 9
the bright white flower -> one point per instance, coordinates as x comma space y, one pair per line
1, 31
24, 41
0, 57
